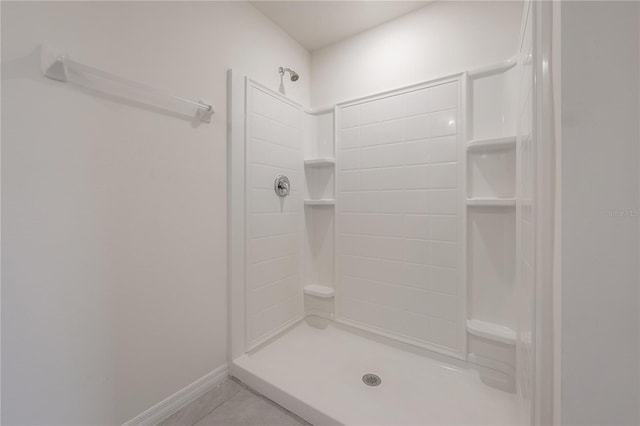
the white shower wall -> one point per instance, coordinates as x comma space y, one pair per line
418, 257
275, 130
398, 215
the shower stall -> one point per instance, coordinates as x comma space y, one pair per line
382, 251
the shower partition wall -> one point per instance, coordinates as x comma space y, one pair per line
265, 230
400, 212
274, 129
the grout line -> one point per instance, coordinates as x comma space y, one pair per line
411, 165
398, 142
400, 310
275, 167
274, 143
401, 213
276, 281
270, 166
274, 259
276, 303
358, 169
402, 286
395, 237
295, 212
425, 114
275, 120
280, 234
400, 261
347, 191
254, 315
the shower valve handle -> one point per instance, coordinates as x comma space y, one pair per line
281, 186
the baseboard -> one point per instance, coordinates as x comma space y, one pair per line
180, 399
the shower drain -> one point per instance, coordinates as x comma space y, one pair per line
371, 380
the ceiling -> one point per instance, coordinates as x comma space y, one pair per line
316, 24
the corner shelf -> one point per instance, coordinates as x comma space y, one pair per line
487, 330
320, 162
491, 202
322, 202
488, 144
321, 291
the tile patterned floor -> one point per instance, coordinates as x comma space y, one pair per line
231, 404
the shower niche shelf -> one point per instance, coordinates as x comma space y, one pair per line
321, 202
491, 170
320, 291
320, 162
491, 331
493, 103
488, 144
491, 202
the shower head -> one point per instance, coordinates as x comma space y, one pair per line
294, 75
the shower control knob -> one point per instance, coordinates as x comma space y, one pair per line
281, 186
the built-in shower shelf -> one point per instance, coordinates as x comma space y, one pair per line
320, 162
491, 331
491, 143
321, 202
491, 202
319, 291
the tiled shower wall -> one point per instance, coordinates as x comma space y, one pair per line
398, 216
273, 224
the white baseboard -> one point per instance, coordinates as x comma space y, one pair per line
183, 397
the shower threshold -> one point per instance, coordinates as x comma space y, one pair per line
316, 370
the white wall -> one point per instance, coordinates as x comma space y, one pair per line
600, 207
114, 215
440, 39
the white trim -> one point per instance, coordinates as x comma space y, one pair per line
497, 68
180, 399
544, 214
273, 93
236, 212
525, 407
318, 313
464, 118
556, 82
319, 111
407, 340
270, 335
410, 88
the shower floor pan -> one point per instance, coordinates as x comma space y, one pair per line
316, 370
